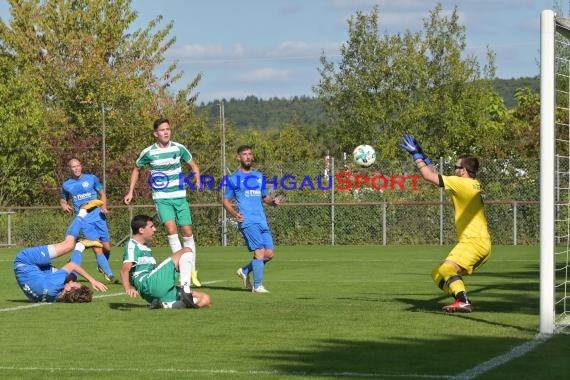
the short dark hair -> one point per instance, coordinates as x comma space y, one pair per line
159, 121
242, 148
83, 294
138, 222
471, 164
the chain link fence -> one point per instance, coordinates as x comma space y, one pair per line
324, 202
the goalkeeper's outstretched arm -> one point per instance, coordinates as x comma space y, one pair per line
413, 146
428, 172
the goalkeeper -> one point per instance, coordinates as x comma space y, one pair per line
473, 246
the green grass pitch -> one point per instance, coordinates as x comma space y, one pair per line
333, 312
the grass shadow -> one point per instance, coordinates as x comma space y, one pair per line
125, 306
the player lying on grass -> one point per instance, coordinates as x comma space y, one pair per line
473, 246
42, 282
157, 284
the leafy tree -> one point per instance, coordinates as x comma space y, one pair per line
522, 132
416, 83
24, 165
90, 70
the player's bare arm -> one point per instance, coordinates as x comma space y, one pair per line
196, 169
231, 210
129, 290
134, 179
73, 267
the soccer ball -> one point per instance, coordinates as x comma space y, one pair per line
364, 155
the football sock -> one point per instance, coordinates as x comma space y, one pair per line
77, 256
462, 296
51, 251
104, 264
258, 267
79, 246
185, 269
452, 279
174, 305
439, 281
456, 285
190, 243
174, 243
248, 268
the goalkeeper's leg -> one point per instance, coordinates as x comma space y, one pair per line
439, 281
447, 279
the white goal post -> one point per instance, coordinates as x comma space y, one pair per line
554, 171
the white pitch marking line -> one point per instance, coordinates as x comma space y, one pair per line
516, 352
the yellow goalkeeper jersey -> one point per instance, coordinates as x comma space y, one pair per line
470, 219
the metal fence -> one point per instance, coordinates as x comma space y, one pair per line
326, 203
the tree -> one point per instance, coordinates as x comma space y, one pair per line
24, 165
89, 70
416, 83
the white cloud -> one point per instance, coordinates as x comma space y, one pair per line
197, 51
292, 48
265, 74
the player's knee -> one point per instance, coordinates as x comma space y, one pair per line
446, 271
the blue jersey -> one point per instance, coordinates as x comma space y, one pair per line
82, 190
38, 279
248, 190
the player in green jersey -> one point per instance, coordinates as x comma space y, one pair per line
157, 283
165, 158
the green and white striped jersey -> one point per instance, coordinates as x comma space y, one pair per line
165, 166
141, 256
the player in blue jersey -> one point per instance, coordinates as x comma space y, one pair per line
42, 282
246, 188
82, 188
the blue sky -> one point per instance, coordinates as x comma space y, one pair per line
271, 48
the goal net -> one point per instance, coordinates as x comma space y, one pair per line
555, 172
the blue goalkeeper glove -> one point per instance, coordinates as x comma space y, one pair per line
421, 151
410, 145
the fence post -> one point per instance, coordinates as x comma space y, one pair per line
332, 204
441, 191
515, 222
384, 240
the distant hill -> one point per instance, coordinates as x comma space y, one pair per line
268, 114
272, 114
507, 87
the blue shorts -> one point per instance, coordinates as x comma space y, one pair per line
97, 230
94, 227
36, 276
257, 237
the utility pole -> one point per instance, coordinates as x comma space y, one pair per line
223, 173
